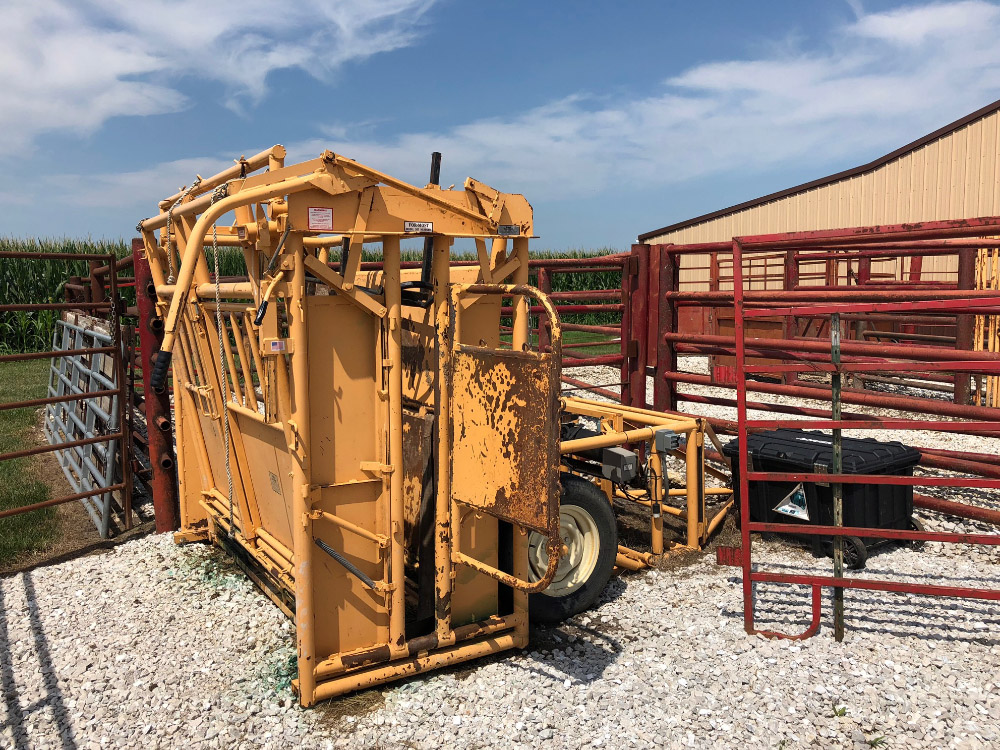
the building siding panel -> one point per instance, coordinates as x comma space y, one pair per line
952, 177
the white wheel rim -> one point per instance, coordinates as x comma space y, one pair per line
582, 540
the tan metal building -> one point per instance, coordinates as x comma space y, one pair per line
951, 173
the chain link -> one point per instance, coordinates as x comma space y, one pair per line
220, 193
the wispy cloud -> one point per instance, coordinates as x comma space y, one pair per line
875, 83
73, 64
871, 85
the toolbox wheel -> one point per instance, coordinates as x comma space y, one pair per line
588, 530
855, 553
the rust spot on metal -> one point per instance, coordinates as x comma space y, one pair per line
505, 453
373, 656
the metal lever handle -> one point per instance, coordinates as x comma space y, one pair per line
351, 568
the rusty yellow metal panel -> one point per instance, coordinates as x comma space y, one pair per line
505, 458
418, 434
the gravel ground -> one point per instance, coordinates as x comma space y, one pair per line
155, 645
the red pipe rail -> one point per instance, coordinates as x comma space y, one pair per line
959, 360
159, 429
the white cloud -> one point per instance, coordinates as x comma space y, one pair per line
874, 84
911, 26
72, 64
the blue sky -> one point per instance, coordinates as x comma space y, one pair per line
613, 118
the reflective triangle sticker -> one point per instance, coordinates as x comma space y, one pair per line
794, 504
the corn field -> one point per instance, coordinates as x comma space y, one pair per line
25, 281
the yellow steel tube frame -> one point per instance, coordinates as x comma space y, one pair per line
645, 423
273, 226
214, 382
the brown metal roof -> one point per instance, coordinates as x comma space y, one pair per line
920, 142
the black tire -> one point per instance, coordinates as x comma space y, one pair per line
547, 608
855, 553
915, 525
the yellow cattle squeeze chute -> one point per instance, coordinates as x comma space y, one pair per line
377, 452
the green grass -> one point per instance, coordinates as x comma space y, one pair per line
19, 482
574, 337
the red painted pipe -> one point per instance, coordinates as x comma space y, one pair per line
591, 388
883, 401
983, 458
166, 507
959, 465
860, 348
607, 359
960, 510
730, 351
587, 294
846, 294
589, 344
804, 411
538, 309
611, 330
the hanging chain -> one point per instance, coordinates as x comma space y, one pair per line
172, 279
222, 192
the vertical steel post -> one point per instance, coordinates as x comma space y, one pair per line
665, 391
441, 274
628, 269
302, 534
656, 484
864, 277
966, 324
836, 487
652, 304
159, 430
97, 293
638, 301
428, 262
791, 282
394, 340
520, 339
544, 325
742, 435
124, 404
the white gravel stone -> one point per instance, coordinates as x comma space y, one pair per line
153, 645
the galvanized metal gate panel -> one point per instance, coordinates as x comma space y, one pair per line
91, 466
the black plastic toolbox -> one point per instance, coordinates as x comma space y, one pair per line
884, 506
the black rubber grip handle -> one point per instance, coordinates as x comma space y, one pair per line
158, 380
261, 312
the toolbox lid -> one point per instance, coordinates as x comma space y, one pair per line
808, 449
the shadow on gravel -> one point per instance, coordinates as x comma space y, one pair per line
594, 645
16, 714
593, 652
881, 613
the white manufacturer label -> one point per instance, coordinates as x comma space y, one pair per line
241, 232
320, 219
794, 504
508, 230
277, 346
418, 226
